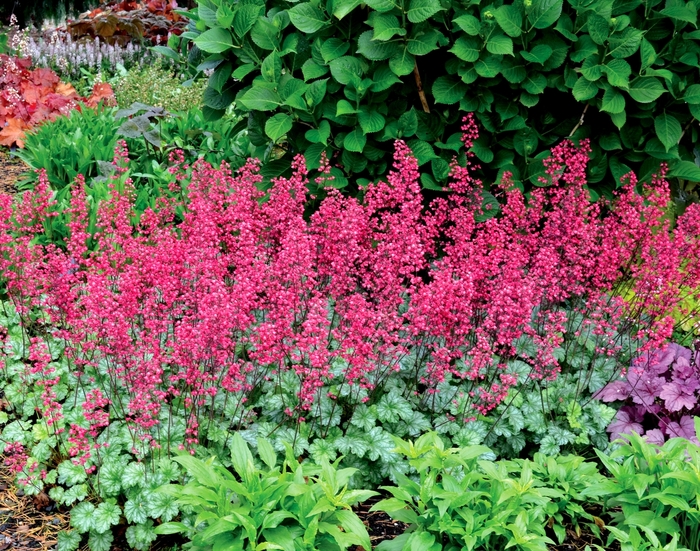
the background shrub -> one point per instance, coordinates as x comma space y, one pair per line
155, 84
349, 78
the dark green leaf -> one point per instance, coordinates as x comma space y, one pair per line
584, 89
510, 19
626, 43
214, 41
668, 130
260, 98
385, 26
598, 28
613, 101
220, 76
692, 94
375, 50
355, 141
648, 89
333, 48
278, 126
469, 24
218, 100
421, 10
370, 120
466, 48
538, 54
448, 90
618, 72
500, 44
307, 18
345, 68
245, 17
402, 63
544, 13
271, 68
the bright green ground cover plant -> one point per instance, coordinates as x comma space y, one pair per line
462, 501
348, 77
292, 507
84, 143
653, 493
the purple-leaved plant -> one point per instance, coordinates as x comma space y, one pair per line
661, 395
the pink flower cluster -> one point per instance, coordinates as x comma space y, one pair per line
246, 288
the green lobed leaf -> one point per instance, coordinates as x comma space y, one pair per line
82, 516
100, 541
105, 516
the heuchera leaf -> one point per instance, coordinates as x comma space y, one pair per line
675, 397
626, 421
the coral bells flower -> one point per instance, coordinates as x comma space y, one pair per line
248, 291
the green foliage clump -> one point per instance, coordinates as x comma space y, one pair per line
349, 77
648, 501
295, 506
155, 84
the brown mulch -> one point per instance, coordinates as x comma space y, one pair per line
27, 522
11, 168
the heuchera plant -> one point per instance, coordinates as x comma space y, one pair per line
31, 96
661, 394
191, 320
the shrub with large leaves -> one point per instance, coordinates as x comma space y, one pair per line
348, 77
